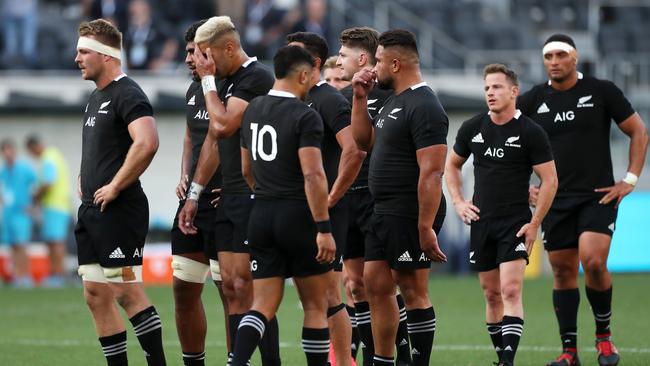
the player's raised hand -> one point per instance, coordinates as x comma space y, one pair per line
326, 248
533, 193
363, 82
186, 217
105, 195
181, 188
429, 246
616, 192
204, 62
467, 211
529, 232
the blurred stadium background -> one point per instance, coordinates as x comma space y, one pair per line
41, 90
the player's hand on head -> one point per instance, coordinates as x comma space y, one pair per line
429, 246
326, 248
467, 211
363, 82
186, 217
105, 195
204, 63
533, 194
215, 202
529, 233
181, 188
616, 192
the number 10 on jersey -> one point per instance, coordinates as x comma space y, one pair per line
257, 142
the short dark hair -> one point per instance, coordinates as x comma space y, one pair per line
365, 38
288, 58
103, 31
33, 140
510, 74
399, 38
191, 31
314, 44
559, 37
7, 143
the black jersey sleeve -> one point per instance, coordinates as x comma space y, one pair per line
461, 147
539, 146
252, 85
429, 124
525, 102
309, 129
616, 104
338, 113
133, 104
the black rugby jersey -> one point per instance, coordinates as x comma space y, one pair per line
335, 111
504, 156
273, 128
407, 122
578, 124
251, 80
198, 122
376, 100
105, 137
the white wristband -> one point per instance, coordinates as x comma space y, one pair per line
208, 84
631, 179
195, 191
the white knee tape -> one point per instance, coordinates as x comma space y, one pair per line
91, 273
189, 270
215, 270
128, 274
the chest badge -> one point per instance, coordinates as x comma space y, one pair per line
102, 107
543, 109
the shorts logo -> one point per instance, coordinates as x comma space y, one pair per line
138, 252
582, 102
117, 254
520, 247
404, 342
471, 255
543, 109
423, 258
512, 141
405, 257
478, 138
102, 106
543, 234
612, 226
246, 242
253, 265
415, 352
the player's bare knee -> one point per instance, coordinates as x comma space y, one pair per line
96, 298
595, 268
511, 293
492, 297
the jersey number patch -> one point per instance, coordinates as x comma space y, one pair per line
257, 143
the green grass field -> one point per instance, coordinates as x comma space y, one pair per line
53, 327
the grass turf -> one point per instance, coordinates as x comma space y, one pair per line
53, 327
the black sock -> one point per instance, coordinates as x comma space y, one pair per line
250, 330
601, 305
566, 303
421, 328
402, 338
383, 361
194, 358
270, 344
362, 310
354, 346
494, 329
511, 331
148, 327
316, 344
114, 348
233, 324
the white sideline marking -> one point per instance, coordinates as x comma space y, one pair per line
439, 347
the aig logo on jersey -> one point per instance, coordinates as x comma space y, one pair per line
564, 116
90, 122
582, 102
494, 152
201, 114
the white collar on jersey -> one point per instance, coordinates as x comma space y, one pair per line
580, 76
413, 87
120, 76
281, 94
248, 62
517, 114
321, 83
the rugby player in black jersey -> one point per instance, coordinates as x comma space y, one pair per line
119, 142
576, 112
507, 147
194, 256
342, 161
408, 142
358, 47
332, 74
219, 56
290, 230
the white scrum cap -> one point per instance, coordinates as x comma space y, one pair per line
213, 27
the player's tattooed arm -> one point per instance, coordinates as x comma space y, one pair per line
362, 83
145, 144
549, 182
634, 128
454, 178
431, 160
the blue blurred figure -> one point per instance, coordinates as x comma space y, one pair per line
20, 27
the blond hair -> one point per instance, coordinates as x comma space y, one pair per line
214, 28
